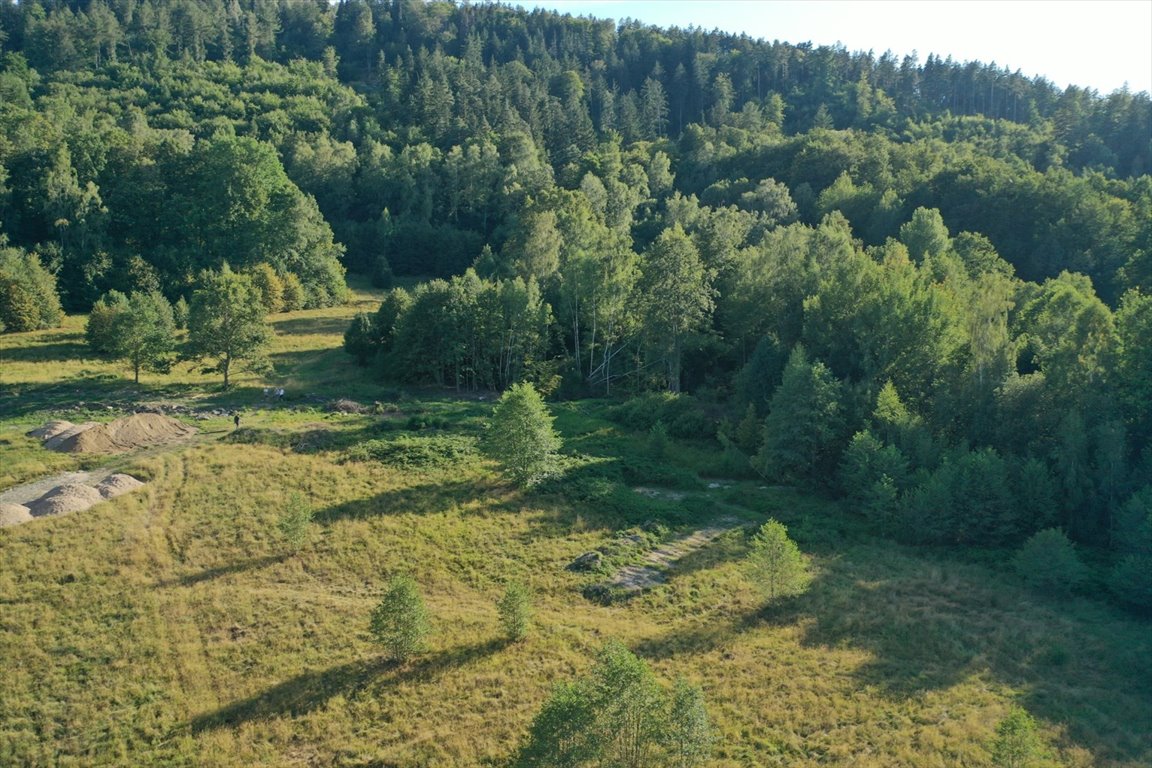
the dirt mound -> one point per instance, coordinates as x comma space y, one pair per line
14, 514
65, 499
51, 429
65, 431
116, 485
126, 434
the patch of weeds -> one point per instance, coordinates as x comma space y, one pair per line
638, 470
421, 422
606, 594
682, 415
416, 451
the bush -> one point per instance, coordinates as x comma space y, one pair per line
658, 440
292, 295
1048, 561
400, 622
681, 414
269, 285
295, 522
1016, 744
180, 313
416, 452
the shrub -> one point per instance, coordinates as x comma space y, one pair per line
292, 295
416, 451
689, 733
295, 522
180, 313
1016, 744
658, 440
681, 414
400, 622
269, 285
1048, 561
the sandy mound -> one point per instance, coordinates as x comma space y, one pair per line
51, 429
71, 497
14, 514
129, 433
65, 431
115, 485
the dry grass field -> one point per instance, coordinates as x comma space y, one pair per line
172, 626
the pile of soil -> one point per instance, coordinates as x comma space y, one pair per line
74, 494
65, 499
63, 431
14, 514
115, 485
126, 434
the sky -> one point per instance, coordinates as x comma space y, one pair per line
1101, 44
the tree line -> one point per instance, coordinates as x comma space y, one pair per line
144, 140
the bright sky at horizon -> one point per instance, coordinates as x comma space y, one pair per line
1100, 44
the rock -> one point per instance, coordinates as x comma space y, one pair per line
589, 561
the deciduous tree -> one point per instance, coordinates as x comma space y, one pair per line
226, 322
521, 437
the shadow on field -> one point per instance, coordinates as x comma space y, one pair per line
306, 326
209, 574
932, 625
312, 690
58, 352
421, 499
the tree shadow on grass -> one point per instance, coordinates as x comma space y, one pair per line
216, 572
307, 326
421, 499
310, 691
929, 625
57, 352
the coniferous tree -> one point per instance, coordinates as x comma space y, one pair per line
775, 563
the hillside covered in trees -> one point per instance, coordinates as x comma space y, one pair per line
925, 285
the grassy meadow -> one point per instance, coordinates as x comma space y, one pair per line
171, 627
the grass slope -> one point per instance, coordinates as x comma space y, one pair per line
169, 627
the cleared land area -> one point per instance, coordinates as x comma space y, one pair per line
170, 626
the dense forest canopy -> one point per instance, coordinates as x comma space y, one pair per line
926, 284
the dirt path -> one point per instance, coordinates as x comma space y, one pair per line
637, 578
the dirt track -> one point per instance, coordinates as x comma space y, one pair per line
636, 578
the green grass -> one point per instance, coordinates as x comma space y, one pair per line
169, 627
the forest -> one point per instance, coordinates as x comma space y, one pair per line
925, 287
